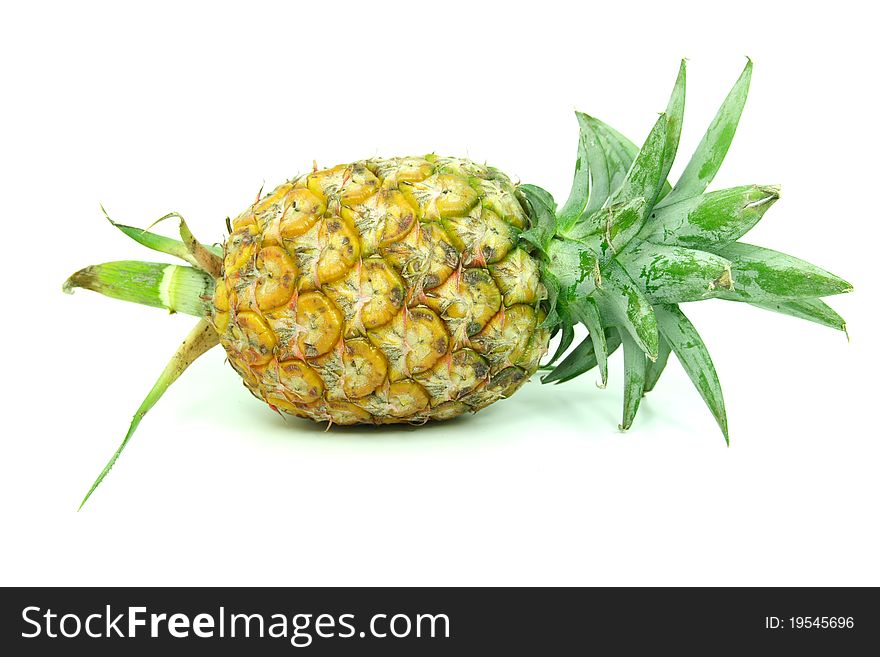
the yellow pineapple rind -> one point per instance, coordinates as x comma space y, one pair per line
383, 291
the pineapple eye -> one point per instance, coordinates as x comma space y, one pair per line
383, 289
413, 341
319, 323
505, 338
466, 301
243, 220
425, 257
344, 184
395, 171
300, 381
220, 316
276, 280
498, 196
283, 404
506, 381
240, 250
405, 398
341, 412
484, 239
384, 218
442, 195
303, 210
364, 368
449, 410
269, 209
339, 249
221, 296
518, 278
454, 376
253, 338
425, 339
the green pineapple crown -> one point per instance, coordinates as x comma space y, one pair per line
627, 247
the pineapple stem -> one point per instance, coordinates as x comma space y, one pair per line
173, 287
201, 339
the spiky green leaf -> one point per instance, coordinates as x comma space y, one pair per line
813, 310
542, 218
674, 120
554, 314
694, 358
633, 380
586, 311
610, 229
643, 179
581, 359
566, 337
673, 274
623, 151
621, 223
618, 154
575, 266
580, 186
623, 301
201, 339
710, 153
601, 172
557, 315
655, 368
620, 150
710, 220
762, 275
161, 243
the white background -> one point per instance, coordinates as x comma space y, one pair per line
191, 108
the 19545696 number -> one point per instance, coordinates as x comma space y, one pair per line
821, 622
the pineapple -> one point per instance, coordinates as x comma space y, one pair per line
411, 289
392, 290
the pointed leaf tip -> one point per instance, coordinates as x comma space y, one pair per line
691, 352
710, 220
580, 185
106, 215
813, 310
586, 311
711, 151
644, 176
200, 340
674, 120
656, 367
762, 275
634, 366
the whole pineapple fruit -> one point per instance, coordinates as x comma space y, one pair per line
418, 288
382, 291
